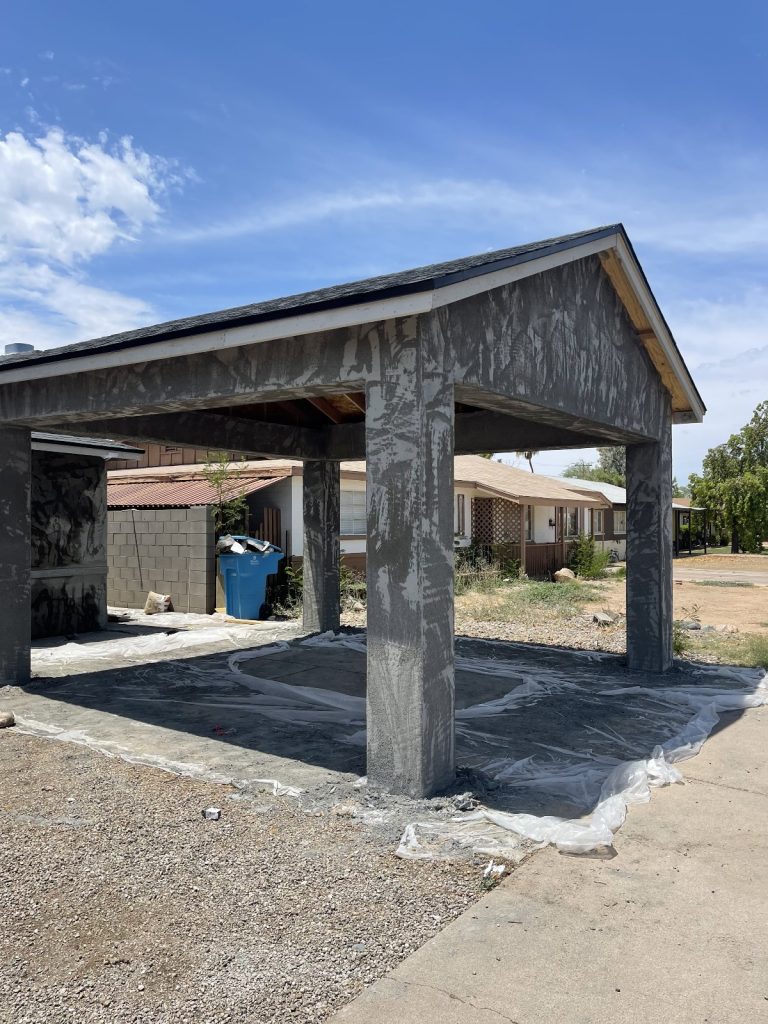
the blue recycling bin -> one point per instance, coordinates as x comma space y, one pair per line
245, 580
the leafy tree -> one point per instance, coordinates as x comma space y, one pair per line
734, 484
230, 510
610, 468
679, 491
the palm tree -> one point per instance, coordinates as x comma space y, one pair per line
528, 456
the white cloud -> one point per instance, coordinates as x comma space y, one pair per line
556, 207
63, 202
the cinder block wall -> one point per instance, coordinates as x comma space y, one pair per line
168, 550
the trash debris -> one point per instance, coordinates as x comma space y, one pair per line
464, 802
212, 813
7, 719
158, 603
493, 874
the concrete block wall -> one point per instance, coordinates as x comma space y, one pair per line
168, 550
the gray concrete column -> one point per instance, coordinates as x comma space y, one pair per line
649, 554
409, 459
322, 495
16, 615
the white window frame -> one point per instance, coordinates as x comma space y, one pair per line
598, 518
529, 523
460, 522
619, 521
353, 513
569, 511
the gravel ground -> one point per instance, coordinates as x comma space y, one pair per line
119, 903
578, 632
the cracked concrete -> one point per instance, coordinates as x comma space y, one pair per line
672, 928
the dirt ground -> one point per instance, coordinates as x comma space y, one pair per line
745, 608
120, 903
742, 563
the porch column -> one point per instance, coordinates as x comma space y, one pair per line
409, 460
15, 484
523, 516
649, 554
322, 496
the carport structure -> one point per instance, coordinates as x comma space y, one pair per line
558, 344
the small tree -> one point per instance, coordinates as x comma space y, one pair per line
230, 510
610, 468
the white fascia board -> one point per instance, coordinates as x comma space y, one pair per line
538, 265
80, 449
660, 329
304, 323
370, 312
228, 338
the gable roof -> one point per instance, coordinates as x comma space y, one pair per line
168, 486
417, 290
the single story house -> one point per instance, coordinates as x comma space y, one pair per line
161, 530
68, 551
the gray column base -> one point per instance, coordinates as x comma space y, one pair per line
649, 555
15, 554
322, 495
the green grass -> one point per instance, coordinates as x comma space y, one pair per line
749, 649
526, 601
722, 583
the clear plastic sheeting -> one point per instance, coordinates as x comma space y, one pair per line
559, 738
556, 745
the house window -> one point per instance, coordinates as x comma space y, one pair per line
597, 522
571, 522
619, 521
460, 521
529, 522
353, 518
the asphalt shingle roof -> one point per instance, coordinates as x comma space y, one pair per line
418, 279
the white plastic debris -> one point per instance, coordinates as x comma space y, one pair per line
212, 813
157, 603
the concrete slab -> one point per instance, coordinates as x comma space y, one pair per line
672, 929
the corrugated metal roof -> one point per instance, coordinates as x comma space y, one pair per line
170, 492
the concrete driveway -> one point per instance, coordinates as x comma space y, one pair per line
672, 928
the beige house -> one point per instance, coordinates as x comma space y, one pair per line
161, 537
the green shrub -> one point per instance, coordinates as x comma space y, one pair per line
587, 560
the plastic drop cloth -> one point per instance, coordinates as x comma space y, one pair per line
560, 745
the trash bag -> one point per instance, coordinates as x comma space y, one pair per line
157, 603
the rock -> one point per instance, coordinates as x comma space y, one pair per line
211, 813
358, 606
350, 810
726, 629
689, 624
707, 629
603, 618
7, 719
464, 802
564, 574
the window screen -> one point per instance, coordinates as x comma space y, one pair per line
353, 521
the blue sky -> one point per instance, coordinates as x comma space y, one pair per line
163, 159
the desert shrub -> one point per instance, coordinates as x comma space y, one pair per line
587, 560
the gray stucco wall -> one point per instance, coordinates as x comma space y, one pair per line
68, 544
168, 550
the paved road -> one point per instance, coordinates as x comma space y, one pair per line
690, 572
673, 928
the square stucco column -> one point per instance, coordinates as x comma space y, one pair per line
15, 486
322, 495
409, 461
649, 554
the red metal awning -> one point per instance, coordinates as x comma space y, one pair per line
172, 493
